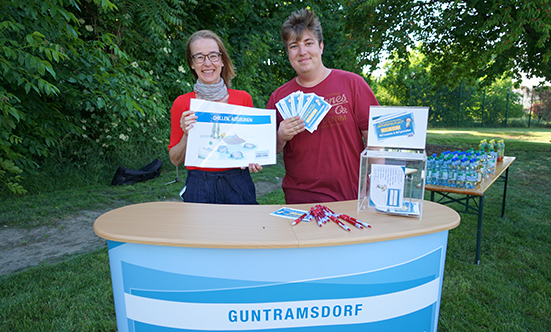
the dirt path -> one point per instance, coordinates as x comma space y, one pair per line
24, 248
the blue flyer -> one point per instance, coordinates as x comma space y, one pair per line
398, 125
309, 106
289, 213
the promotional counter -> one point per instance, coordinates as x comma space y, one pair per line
199, 267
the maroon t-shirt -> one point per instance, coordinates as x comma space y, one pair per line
324, 166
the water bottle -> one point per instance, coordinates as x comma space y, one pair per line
437, 170
483, 145
461, 173
470, 174
430, 165
452, 177
483, 164
492, 159
479, 169
492, 144
445, 171
500, 150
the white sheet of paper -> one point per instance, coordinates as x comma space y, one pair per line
227, 136
386, 187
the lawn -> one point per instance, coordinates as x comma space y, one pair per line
509, 291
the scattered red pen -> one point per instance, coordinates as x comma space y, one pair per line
322, 214
299, 219
357, 225
349, 218
343, 226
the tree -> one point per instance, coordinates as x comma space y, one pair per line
410, 81
34, 40
60, 72
463, 39
96, 76
252, 30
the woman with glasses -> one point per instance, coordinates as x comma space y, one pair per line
212, 67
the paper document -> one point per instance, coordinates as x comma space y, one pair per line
228, 136
386, 188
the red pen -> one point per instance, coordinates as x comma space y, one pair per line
299, 219
316, 216
349, 218
320, 214
357, 225
343, 226
334, 218
325, 208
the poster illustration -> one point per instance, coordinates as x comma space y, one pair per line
399, 127
228, 136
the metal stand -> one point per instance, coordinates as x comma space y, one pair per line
176, 180
474, 208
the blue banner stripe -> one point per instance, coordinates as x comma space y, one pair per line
284, 292
210, 117
185, 288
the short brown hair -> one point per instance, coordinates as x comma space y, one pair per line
297, 23
228, 73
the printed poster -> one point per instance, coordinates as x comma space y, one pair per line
399, 127
227, 136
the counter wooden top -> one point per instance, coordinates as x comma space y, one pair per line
252, 226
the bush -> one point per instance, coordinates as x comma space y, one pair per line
63, 77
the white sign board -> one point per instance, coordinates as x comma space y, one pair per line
228, 136
398, 127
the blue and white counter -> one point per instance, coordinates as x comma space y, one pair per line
196, 267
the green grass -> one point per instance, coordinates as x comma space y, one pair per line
54, 196
472, 135
74, 295
509, 291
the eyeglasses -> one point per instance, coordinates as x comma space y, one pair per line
200, 58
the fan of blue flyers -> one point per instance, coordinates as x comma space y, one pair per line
309, 106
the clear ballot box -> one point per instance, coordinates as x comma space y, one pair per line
392, 181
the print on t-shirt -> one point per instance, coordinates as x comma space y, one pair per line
339, 110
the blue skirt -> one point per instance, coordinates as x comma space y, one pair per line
234, 186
